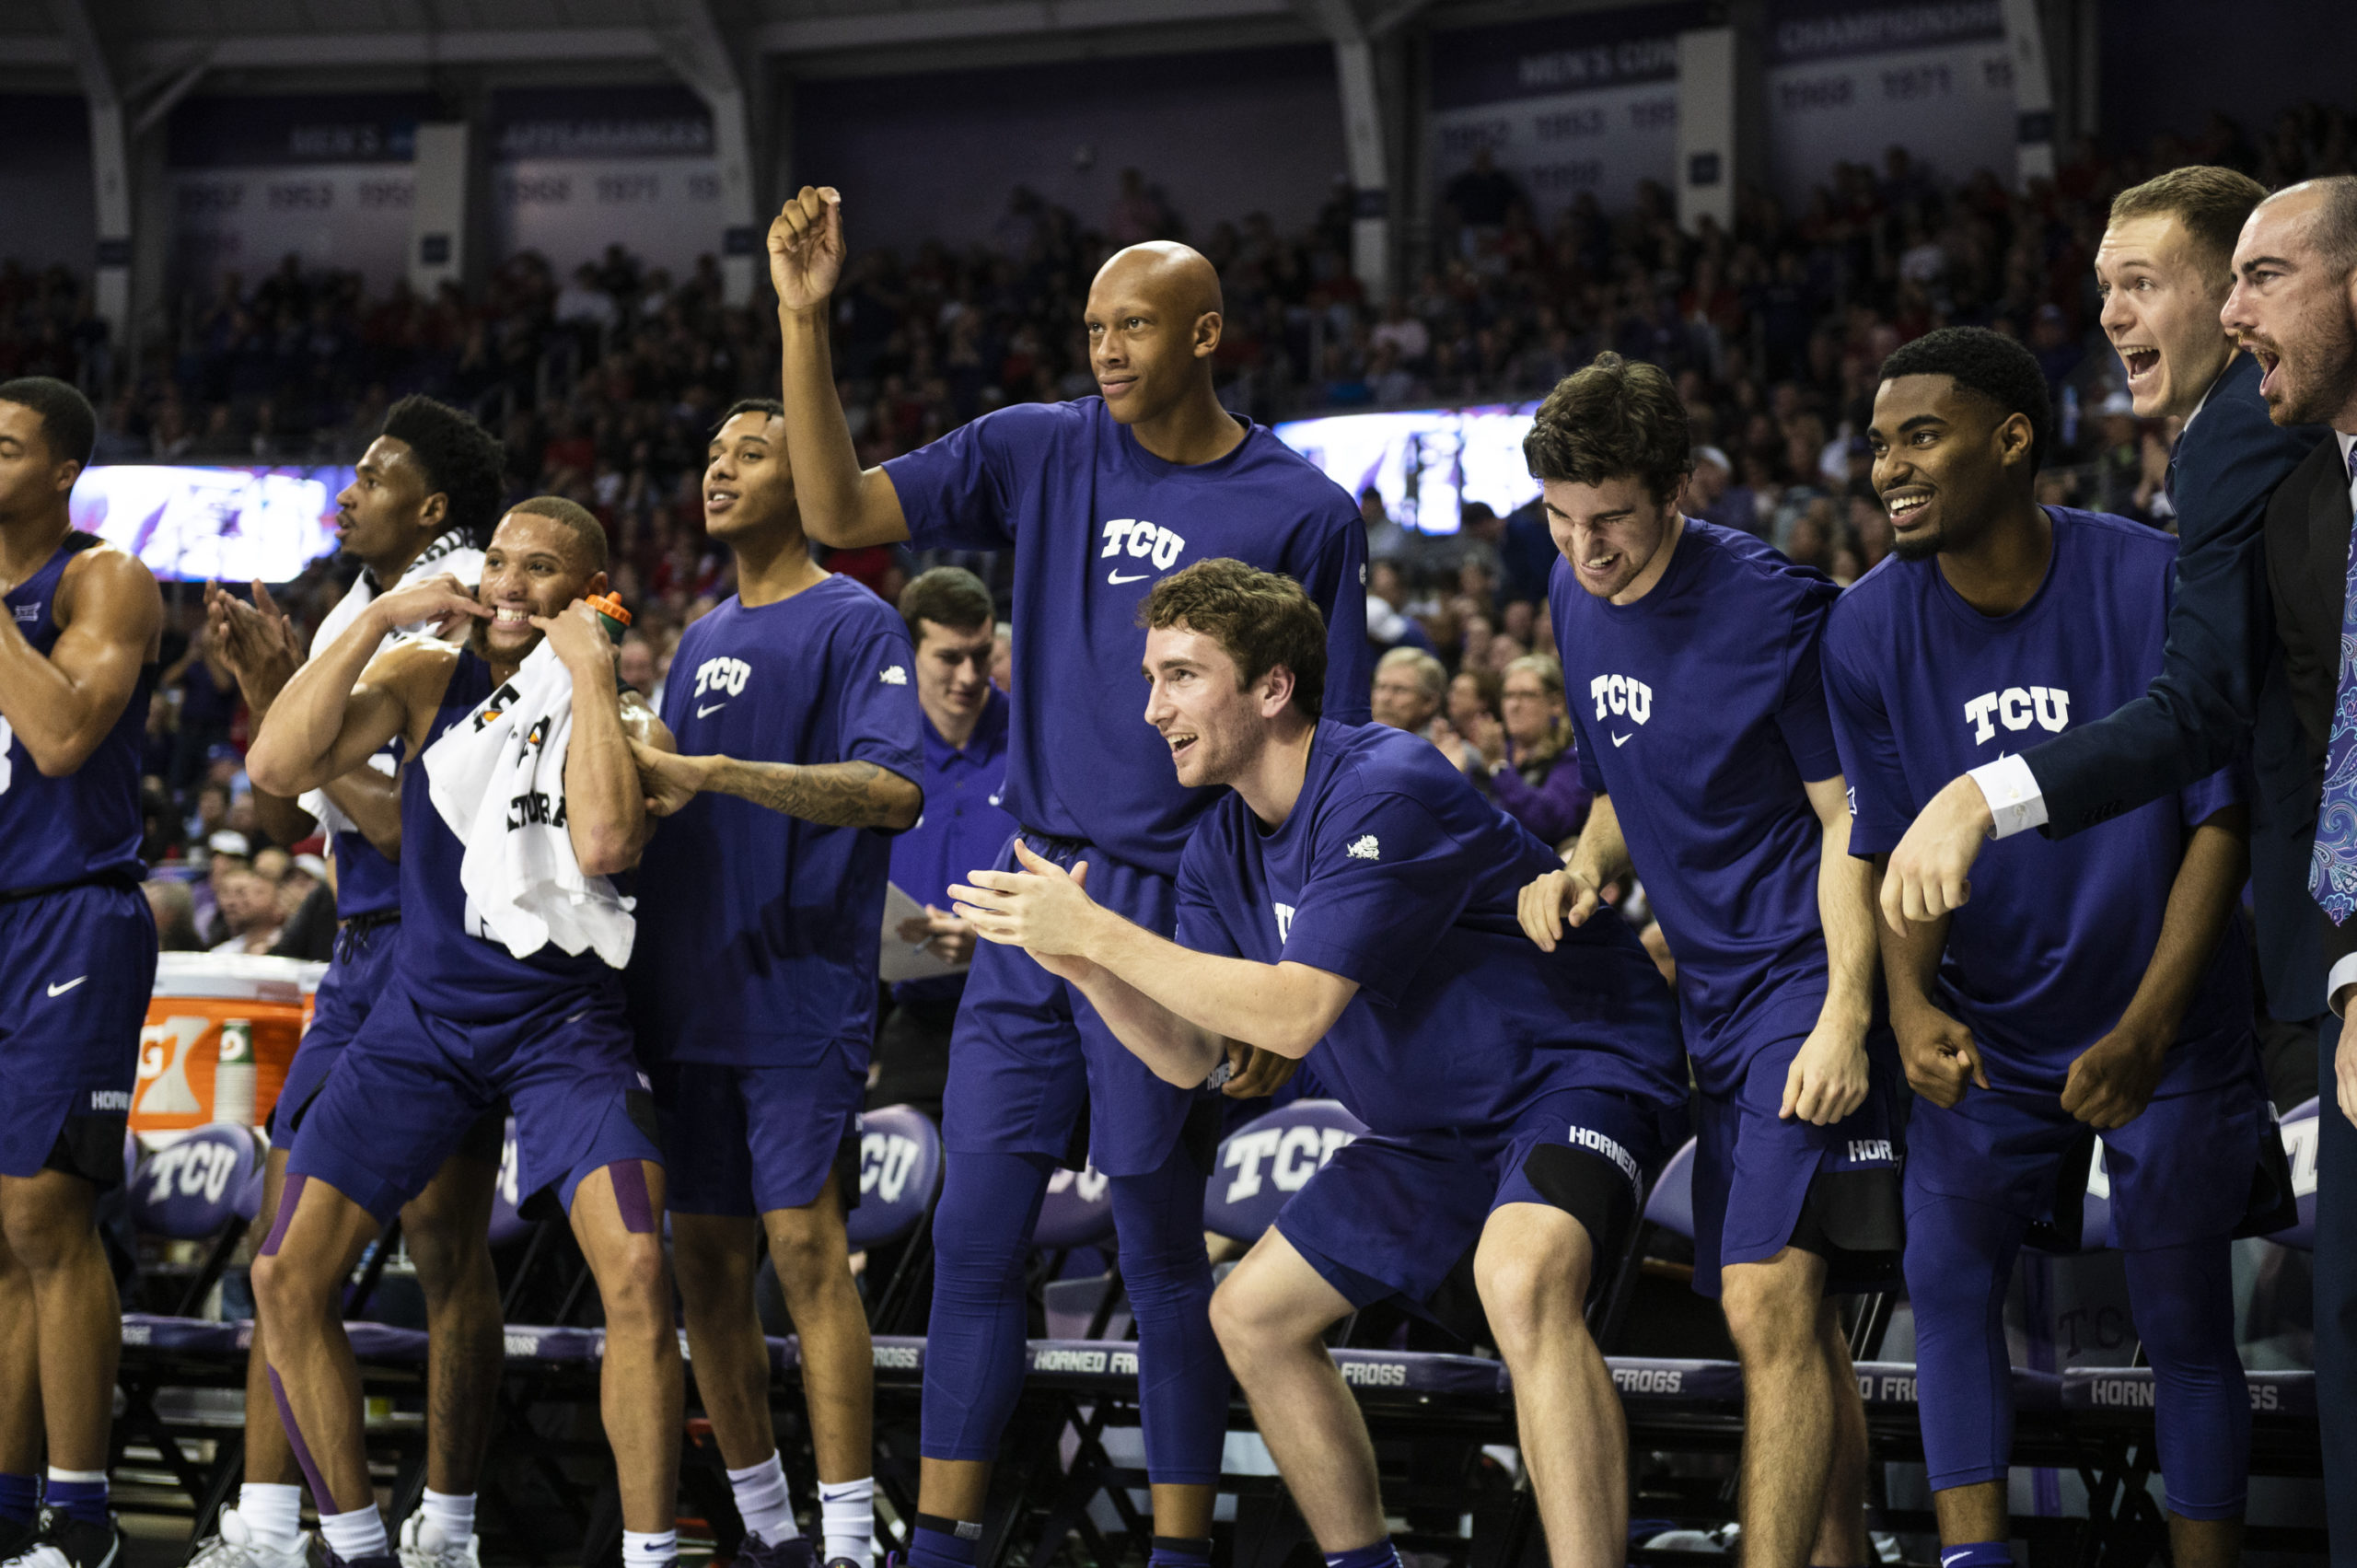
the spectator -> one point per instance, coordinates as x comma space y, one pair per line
1472, 699
1409, 687
249, 911
1537, 778
1003, 657
175, 910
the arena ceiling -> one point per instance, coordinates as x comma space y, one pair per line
153, 44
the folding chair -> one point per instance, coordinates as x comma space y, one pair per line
204, 1186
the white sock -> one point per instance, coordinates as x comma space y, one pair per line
657, 1549
847, 1514
360, 1533
272, 1514
450, 1516
762, 1501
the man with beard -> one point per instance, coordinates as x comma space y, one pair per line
465, 1021
422, 500
754, 985
2295, 308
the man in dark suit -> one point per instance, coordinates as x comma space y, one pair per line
2294, 308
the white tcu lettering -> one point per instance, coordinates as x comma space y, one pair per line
1245, 1153
1142, 540
200, 1170
884, 1161
1292, 1172
728, 675
1284, 921
2014, 707
1621, 694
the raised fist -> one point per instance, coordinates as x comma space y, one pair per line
807, 247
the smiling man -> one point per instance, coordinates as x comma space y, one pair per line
753, 983
1691, 658
1097, 498
465, 1021
1351, 899
2100, 983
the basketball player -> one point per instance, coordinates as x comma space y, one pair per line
753, 983
2095, 984
1689, 655
422, 498
77, 960
463, 1021
1097, 498
1351, 898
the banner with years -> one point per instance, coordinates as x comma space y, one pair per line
1847, 82
1580, 103
323, 178
574, 171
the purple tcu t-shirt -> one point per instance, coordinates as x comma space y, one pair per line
2046, 956
1701, 712
1392, 871
758, 931
1094, 519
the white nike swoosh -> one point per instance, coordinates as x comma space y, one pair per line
1624, 740
713, 709
62, 989
578, 1016
1133, 578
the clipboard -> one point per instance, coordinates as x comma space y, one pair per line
898, 960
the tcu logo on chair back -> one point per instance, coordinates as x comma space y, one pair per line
1267, 1161
900, 1171
200, 1183
1621, 696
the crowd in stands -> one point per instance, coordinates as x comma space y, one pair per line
605, 383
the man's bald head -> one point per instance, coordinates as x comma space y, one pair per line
1177, 278
1153, 323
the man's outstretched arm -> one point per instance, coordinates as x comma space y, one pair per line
1282, 1007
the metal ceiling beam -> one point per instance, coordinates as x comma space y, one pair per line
1004, 19
110, 164
466, 47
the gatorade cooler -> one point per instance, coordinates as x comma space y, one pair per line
206, 1006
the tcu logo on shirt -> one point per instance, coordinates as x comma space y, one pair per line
2014, 707
728, 675
1622, 695
1144, 542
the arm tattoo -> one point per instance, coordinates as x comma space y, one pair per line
838, 795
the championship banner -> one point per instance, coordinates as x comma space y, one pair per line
325, 179
574, 171
1586, 103
1846, 82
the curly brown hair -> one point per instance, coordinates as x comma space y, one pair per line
1613, 419
1262, 619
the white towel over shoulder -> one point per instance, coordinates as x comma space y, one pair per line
497, 777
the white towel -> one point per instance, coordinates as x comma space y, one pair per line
497, 777
449, 552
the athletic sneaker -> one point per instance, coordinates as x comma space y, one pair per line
235, 1546
422, 1545
68, 1542
794, 1552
